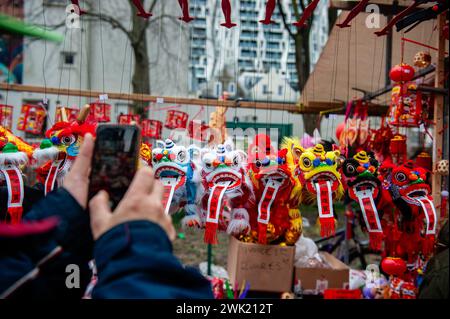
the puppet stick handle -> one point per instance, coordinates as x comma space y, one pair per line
63, 114
84, 111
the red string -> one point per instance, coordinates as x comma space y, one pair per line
421, 44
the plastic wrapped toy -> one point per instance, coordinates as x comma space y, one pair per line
175, 167
364, 187
321, 182
277, 193
57, 152
11, 161
227, 192
412, 197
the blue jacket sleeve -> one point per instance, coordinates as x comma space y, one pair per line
72, 234
135, 260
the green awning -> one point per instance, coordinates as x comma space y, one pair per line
16, 26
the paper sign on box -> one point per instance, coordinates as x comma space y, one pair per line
267, 268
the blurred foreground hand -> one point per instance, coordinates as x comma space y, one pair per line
142, 201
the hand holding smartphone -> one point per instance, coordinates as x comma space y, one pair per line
115, 160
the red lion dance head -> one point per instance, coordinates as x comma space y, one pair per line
60, 148
276, 213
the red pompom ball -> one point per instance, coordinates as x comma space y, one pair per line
393, 266
402, 73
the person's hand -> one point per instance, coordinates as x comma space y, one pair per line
142, 201
77, 180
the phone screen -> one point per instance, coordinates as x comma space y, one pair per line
115, 160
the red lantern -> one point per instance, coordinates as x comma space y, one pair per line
198, 131
176, 119
71, 114
424, 160
6, 113
398, 144
128, 119
406, 105
99, 112
151, 128
402, 73
32, 119
397, 147
393, 266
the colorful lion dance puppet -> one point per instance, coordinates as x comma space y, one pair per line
415, 226
227, 194
13, 156
277, 193
322, 182
57, 152
175, 167
364, 187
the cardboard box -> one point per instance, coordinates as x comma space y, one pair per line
316, 280
268, 268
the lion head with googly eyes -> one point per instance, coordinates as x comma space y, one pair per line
223, 165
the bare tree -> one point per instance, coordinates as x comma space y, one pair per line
137, 36
301, 35
135, 32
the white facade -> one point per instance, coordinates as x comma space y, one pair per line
250, 46
99, 58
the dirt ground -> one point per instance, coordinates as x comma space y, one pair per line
191, 250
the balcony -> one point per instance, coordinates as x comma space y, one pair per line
249, 34
248, 54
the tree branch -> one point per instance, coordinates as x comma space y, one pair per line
163, 16
285, 23
112, 21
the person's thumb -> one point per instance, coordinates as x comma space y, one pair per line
100, 213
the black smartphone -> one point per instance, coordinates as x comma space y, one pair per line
115, 160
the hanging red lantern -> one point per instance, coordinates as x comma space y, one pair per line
397, 147
32, 119
198, 130
393, 266
176, 119
99, 112
424, 160
151, 128
129, 119
402, 73
71, 114
406, 105
6, 116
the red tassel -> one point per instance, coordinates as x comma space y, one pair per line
375, 240
428, 245
15, 214
185, 9
262, 233
226, 9
327, 227
211, 233
140, 10
270, 6
307, 14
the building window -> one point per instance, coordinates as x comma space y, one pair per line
266, 89
218, 89
67, 59
232, 88
280, 90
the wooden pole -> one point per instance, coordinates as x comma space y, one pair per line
313, 107
438, 112
289, 107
